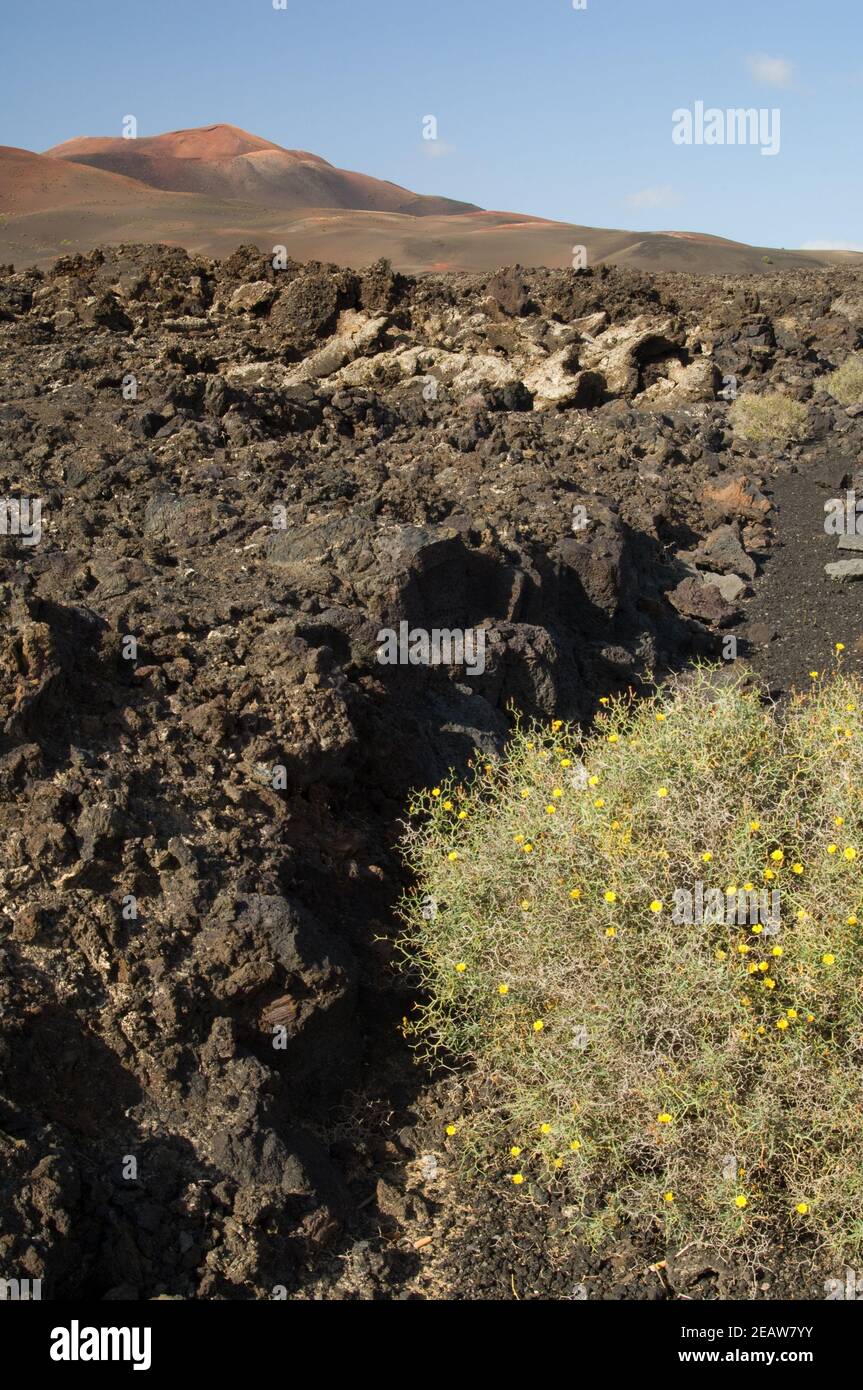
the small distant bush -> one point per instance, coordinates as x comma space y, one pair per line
707, 1079
769, 419
846, 384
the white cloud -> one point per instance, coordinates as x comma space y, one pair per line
660, 196
776, 72
832, 246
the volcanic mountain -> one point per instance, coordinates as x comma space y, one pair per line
213, 188
222, 161
30, 183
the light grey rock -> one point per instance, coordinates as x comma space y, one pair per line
252, 298
730, 586
845, 569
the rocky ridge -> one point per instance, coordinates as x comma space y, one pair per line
245, 473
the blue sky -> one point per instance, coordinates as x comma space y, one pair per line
540, 107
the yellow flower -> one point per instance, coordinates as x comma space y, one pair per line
782, 1023
557, 792
538, 1025
566, 762
743, 948
515, 1151
802, 1208
796, 868
435, 791
831, 849
839, 647
752, 968
524, 904
451, 1129
755, 825
527, 849
721, 955
610, 896
557, 724
741, 1201
525, 792
768, 873
545, 1129
614, 738
656, 905
453, 854
662, 791
849, 852
768, 983
603, 699
828, 958
664, 1118
575, 894
447, 805
706, 857
550, 810
838, 820
777, 951
660, 718
519, 839
575, 1145
461, 967
558, 1163
813, 675
503, 989
852, 921
462, 815
757, 928
599, 803
611, 931
593, 781
518, 1179
761, 1029
669, 1197
791, 1013
777, 855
